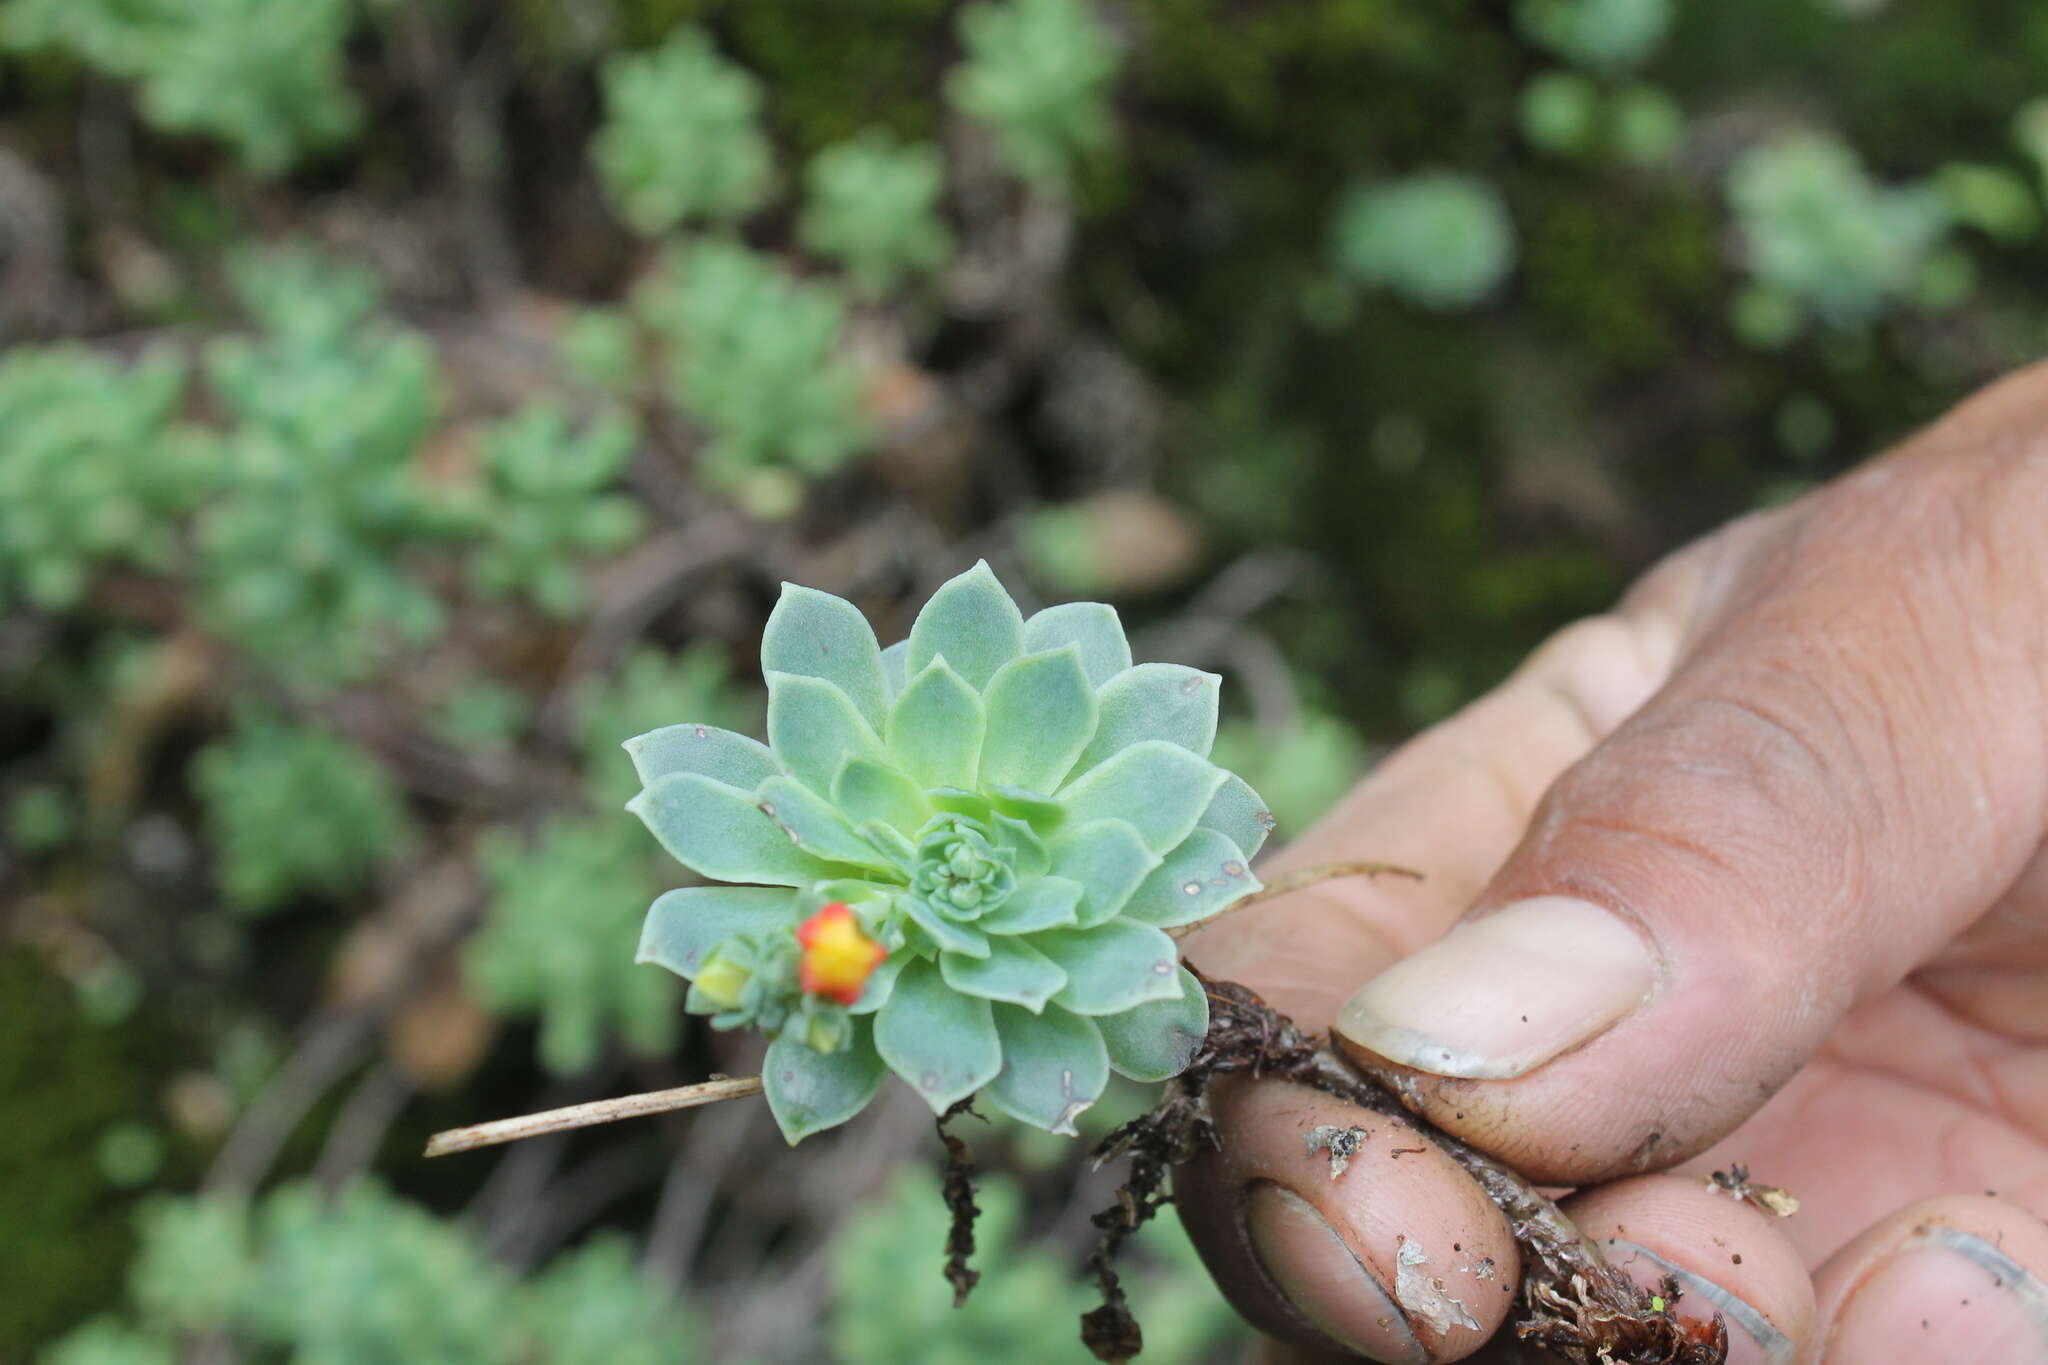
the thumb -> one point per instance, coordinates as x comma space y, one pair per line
1844, 770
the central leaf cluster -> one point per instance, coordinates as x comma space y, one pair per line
1013, 811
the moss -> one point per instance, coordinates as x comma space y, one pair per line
67, 1082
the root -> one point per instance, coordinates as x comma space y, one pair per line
959, 1195
1573, 1303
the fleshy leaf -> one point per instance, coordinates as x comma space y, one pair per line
1018, 836
1041, 716
1113, 966
815, 634
1110, 860
1160, 788
950, 937
935, 728
1093, 626
1205, 876
814, 824
811, 1091
684, 924
866, 790
1054, 1067
814, 729
718, 832
1157, 1040
1038, 811
972, 622
940, 1041
1155, 701
1047, 903
889, 842
1239, 814
881, 984
896, 666
736, 760
1013, 971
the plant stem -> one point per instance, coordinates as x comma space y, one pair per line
1289, 882
588, 1115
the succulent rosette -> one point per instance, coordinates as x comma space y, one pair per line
956, 858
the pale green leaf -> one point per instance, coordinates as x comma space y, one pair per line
1157, 1040
1240, 815
896, 666
1110, 860
814, 729
935, 728
817, 635
881, 983
1013, 971
1112, 966
1021, 839
1160, 788
866, 790
1155, 701
684, 924
718, 832
1054, 1067
1047, 903
811, 1091
889, 842
813, 823
940, 1041
1041, 715
736, 760
1093, 626
972, 622
949, 936
1039, 811
1205, 876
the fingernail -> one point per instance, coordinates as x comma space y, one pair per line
1500, 996
1752, 1338
1949, 1296
1319, 1274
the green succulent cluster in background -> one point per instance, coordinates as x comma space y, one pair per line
294, 811
544, 505
557, 940
756, 355
1601, 35
360, 1278
872, 205
1441, 240
89, 473
1038, 73
682, 138
263, 77
648, 690
303, 554
1823, 240
1007, 816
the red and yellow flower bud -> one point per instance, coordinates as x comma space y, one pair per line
838, 956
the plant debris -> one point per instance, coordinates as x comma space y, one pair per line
1341, 1143
1573, 1302
1736, 1184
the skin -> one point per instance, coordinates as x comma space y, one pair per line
1805, 761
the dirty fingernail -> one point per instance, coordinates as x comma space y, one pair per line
1324, 1279
1500, 996
1945, 1295
1753, 1339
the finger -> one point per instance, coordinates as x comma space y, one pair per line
1451, 803
1725, 1257
1816, 801
1958, 1279
1385, 1248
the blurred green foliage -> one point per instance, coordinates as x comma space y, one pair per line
294, 811
681, 138
559, 938
545, 508
872, 205
1439, 239
1037, 73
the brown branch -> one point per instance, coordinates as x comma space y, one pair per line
591, 1114
1290, 882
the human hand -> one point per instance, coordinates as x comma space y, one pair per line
1751, 870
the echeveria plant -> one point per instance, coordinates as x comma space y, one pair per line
955, 859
